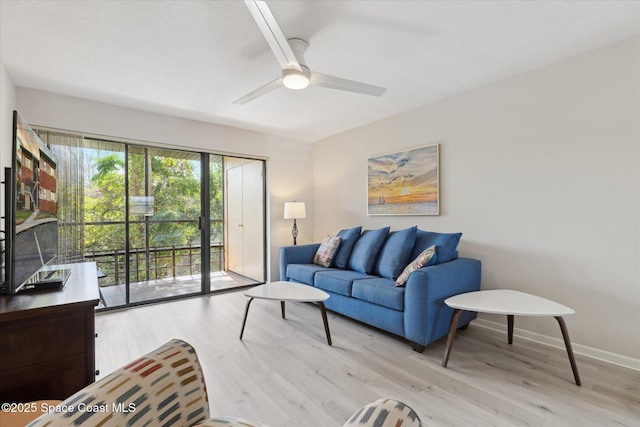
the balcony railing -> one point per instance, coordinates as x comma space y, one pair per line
154, 263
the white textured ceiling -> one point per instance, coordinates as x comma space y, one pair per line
192, 59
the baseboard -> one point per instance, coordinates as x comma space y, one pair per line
605, 356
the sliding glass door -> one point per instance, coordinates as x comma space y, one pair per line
164, 234
160, 223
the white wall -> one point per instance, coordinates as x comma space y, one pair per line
541, 172
288, 161
7, 105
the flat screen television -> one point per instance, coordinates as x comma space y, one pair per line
31, 223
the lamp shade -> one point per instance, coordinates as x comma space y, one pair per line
294, 210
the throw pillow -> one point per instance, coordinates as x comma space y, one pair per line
349, 239
423, 259
395, 253
325, 253
365, 251
446, 244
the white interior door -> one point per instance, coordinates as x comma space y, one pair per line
234, 221
245, 219
253, 220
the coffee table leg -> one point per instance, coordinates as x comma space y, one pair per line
246, 311
567, 343
510, 328
323, 310
282, 308
452, 333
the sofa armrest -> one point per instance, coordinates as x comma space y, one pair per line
427, 317
165, 384
301, 254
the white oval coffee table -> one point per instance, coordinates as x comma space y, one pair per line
511, 303
288, 291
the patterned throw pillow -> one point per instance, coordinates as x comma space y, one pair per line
326, 251
417, 263
385, 413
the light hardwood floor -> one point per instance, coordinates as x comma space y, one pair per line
283, 373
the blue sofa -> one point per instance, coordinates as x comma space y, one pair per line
361, 280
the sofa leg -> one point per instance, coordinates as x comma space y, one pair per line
464, 327
418, 347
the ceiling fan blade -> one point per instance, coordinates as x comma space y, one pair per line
324, 80
273, 34
277, 83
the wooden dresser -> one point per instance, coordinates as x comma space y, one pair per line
47, 339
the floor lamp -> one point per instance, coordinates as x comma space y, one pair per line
294, 210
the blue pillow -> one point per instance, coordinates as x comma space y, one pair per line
365, 252
446, 245
349, 238
395, 253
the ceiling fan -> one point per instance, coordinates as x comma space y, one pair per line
290, 55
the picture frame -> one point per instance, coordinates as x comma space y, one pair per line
404, 182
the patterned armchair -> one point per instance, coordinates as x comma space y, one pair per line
166, 388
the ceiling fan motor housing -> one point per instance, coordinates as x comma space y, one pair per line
293, 78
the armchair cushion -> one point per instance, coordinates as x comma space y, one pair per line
163, 387
229, 422
384, 413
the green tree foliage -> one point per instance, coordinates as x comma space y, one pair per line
215, 197
174, 184
104, 203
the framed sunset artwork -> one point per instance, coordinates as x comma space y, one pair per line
404, 182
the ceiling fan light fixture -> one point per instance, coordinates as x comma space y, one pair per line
294, 79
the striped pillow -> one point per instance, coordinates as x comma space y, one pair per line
420, 261
326, 251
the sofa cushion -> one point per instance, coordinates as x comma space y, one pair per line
365, 251
446, 245
395, 253
349, 239
303, 273
379, 291
325, 253
337, 281
427, 257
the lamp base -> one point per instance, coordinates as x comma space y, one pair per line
294, 232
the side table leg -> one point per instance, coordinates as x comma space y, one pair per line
453, 327
323, 310
510, 328
282, 308
246, 312
567, 343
